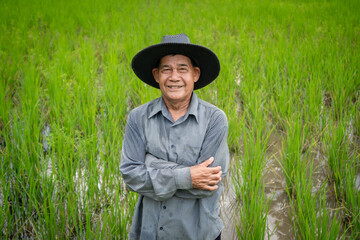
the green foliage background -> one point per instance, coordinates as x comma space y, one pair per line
66, 87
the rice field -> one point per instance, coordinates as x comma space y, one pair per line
289, 84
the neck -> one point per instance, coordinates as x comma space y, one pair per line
177, 109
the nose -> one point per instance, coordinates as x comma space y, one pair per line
174, 75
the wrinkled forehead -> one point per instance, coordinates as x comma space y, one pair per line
175, 57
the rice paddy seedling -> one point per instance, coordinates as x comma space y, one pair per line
252, 211
251, 216
66, 87
343, 162
61, 147
311, 217
337, 150
294, 146
352, 195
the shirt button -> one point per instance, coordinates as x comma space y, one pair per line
172, 146
161, 228
164, 207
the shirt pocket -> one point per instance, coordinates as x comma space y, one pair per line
189, 149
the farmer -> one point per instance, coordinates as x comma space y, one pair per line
174, 151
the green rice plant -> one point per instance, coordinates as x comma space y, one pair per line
65, 67
343, 161
251, 217
313, 103
337, 152
21, 155
310, 216
6, 105
285, 101
295, 144
222, 94
45, 188
253, 207
311, 219
352, 195
357, 118
336, 77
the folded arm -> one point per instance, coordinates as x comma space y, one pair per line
204, 177
160, 179
158, 184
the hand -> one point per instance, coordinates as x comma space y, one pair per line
205, 177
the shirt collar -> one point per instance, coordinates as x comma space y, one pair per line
159, 106
155, 107
193, 108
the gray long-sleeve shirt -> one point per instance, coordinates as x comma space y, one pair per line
156, 157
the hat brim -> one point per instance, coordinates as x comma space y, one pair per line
145, 60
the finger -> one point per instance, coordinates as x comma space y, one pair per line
216, 178
212, 188
214, 182
214, 170
207, 163
211, 180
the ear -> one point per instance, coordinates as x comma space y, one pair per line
196, 74
155, 73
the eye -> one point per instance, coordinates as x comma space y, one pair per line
166, 70
183, 69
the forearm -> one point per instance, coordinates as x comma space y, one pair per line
158, 184
157, 163
153, 162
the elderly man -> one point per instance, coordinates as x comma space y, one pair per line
175, 151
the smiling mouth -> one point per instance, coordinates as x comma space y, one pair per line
174, 87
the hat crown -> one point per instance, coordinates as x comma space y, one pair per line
178, 38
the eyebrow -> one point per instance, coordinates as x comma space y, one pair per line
179, 65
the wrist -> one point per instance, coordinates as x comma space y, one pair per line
183, 178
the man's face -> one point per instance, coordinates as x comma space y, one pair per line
176, 77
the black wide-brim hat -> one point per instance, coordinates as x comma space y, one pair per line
148, 58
